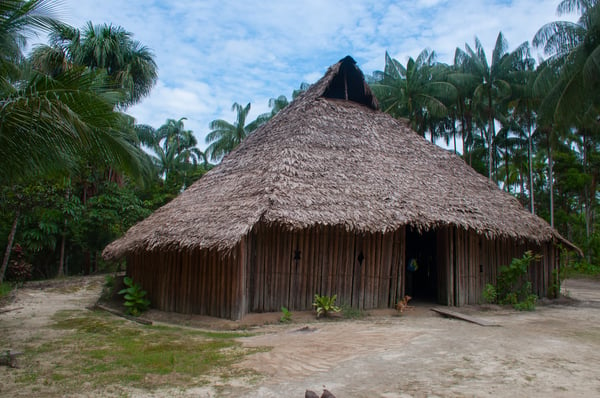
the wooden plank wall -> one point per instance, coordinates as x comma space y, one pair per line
198, 282
468, 261
261, 275
328, 265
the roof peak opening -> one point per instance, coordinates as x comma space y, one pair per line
349, 84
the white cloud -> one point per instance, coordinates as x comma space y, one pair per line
215, 52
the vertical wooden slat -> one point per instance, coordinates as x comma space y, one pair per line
348, 259
402, 263
327, 247
331, 255
306, 275
385, 284
286, 266
451, 265
393, 270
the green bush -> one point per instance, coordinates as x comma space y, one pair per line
490, 295
583, 267
18, 269
325, 305
134, 296
108, 287
5, 288
286, 317
349, 312
513, 286
528, 304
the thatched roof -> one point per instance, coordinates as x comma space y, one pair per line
331, 158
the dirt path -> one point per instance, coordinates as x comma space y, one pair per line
36, 304
554, 351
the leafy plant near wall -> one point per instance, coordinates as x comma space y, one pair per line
325, 305
135, 300
513, 287
286, 316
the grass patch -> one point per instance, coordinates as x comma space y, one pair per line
98, 350
349, 312
5, 288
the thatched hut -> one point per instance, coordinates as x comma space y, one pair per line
332, 196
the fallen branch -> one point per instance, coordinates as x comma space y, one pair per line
11, 309
119, 313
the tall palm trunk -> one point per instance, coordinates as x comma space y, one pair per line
490, 138
11, 238
551, 181
454, 132
530, 160
61, 261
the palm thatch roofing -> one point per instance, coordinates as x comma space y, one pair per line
331, 158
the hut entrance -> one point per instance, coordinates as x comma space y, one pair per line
421, 270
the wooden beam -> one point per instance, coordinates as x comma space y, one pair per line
453, 314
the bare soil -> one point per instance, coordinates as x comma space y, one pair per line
551, 352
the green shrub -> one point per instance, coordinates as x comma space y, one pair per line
108, 287
134, 296
528, 304
325, 305
286, 317
349, 312
583, 267
5, 288
513, 287
18, 269
490, 295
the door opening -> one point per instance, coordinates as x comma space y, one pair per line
421, 269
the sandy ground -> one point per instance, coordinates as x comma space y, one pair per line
551, 352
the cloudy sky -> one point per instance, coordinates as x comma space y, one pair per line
212, 53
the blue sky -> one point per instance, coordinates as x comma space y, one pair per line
213, 53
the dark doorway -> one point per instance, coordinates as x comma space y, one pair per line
421, 269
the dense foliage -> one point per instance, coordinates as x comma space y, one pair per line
73, 173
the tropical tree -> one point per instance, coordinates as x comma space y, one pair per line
524, 104
50, 121
128, 63
493, 83
19, 20
415, 91
574, 49
573, 85
225, 136
175, 152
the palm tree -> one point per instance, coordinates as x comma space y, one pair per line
574, 48
573, 97
129, 64
493, 84
19, 20
175, 150
525, 103
414, 91
462, 110
225, 137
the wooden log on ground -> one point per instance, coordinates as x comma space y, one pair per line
11, 309
119, 313
463, 317
9, 358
